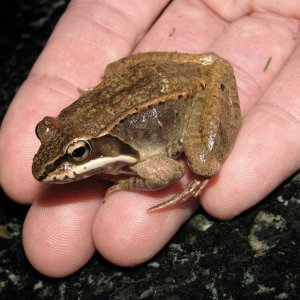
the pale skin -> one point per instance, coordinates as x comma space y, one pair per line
67, 224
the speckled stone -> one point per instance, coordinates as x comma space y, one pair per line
255, 256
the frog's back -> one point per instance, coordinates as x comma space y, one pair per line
142, 86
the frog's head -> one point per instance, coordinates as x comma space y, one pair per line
66, 155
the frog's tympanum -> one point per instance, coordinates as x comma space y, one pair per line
149, 109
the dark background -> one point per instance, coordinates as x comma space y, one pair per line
255, 256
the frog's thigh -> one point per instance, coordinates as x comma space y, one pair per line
214, 121
155, 172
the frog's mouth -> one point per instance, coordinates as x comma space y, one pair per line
68, 172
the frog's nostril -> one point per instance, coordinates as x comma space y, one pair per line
42, 176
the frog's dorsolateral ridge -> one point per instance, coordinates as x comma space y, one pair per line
129, 129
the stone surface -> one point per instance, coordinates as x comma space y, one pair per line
255, 256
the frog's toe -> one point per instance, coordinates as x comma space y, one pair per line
193, 189
113, 189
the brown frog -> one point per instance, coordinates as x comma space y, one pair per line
149, 109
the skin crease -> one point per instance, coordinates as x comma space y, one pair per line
67, 224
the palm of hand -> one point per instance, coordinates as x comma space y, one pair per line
66, 225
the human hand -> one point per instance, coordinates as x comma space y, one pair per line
66, 224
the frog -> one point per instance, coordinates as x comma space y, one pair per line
133, 127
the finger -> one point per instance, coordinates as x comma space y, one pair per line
186, 26
126, 234
231, 10
122, 231
251, 67
51, 234
57, 230
89, 34
267, 150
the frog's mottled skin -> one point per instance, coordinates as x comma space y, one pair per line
150, 108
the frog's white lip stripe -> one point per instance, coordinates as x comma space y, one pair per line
88, 169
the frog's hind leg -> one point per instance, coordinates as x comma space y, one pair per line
193, 189
214, 121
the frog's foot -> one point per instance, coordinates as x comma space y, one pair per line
193, 189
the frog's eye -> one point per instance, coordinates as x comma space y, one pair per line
79, 151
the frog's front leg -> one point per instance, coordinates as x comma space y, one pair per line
153, 173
